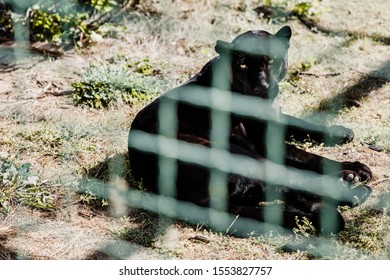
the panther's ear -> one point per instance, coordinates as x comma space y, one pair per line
284, 33
223, 47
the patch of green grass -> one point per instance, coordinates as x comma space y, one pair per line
367, 232
116, 84
58, 140
19, 186
145, 231
365, 237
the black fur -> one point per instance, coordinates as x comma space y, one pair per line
252, 65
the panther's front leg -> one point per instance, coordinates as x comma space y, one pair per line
350, 171
329, 135
347, 170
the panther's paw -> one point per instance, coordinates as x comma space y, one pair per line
338, 134
355, 171
357, 195
360, 194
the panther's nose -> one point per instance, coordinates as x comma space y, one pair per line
263, 80
265, 84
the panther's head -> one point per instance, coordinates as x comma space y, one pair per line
258, 61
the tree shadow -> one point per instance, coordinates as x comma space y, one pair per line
278, 12
7, 253
116, 165
367, 84
315, 26
136, 240
145, 227
352, 95
122, 250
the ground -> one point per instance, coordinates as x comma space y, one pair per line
339, 74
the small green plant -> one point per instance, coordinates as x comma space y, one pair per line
304, 227
45, 25
305, 8
144, 67
297, 70
63, 23
19, 186
6, 30
106, 5
112, 85
92, 200
282, 10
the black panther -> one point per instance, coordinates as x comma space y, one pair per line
251, 65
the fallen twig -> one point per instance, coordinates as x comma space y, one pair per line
199, 238
372, 147
331, 74
379, 181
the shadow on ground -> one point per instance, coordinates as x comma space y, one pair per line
146, 226
280, 13
362, 88
7, 254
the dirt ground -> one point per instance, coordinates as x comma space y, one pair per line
339, 74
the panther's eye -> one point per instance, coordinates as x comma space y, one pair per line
271, 61
243, 66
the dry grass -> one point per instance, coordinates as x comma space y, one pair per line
34, 104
